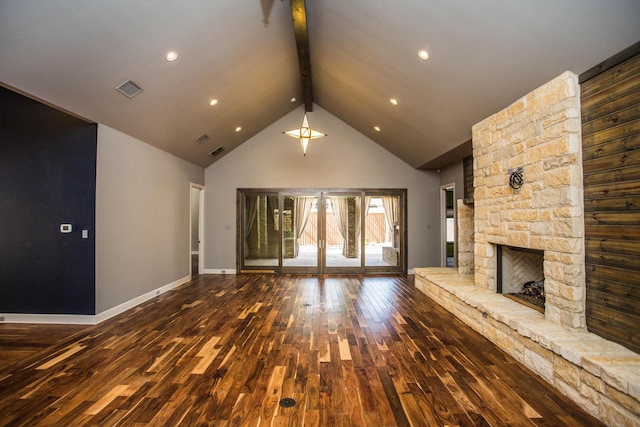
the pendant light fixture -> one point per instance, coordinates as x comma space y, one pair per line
304, 134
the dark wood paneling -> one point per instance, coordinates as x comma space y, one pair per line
467, 165
599, 110
612, 246
223, 350
611, 164
626, 130
615, 61
621, 78
602, 204
617, 160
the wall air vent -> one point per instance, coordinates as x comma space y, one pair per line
202, 138
129, 89
216, 152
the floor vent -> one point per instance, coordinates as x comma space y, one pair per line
129, 89
216, 152
288, 402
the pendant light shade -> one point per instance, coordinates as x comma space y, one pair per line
304, 134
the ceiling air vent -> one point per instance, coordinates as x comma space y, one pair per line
202, 138
216, 152
129, 89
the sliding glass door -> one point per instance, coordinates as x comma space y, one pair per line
300, 248
384, 222
259, 227
341, 242
321, 231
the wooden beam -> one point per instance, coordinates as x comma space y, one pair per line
299, 16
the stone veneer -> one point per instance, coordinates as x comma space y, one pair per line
540, 132
465, 238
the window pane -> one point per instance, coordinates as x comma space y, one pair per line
382, 243
300, 231
343, 231
260, 230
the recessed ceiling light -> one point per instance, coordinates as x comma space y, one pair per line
393, 101
423, 54
376, 128
239, 128
171, 56
213, 102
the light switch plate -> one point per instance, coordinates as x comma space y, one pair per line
85, 234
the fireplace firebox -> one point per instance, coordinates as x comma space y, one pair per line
520, 275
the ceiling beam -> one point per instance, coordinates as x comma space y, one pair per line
299, 16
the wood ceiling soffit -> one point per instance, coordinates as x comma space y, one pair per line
299, 16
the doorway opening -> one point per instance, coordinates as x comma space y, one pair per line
322, 231
448, 226
196, 227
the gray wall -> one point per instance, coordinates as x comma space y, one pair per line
142, 218
454, 173
343, 159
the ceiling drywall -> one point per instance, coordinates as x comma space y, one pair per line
484, 55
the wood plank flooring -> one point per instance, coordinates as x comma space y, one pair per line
225, 350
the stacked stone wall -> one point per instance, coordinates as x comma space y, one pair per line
540, 133
465, 238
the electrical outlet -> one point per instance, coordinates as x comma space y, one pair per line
157, 293
1, 318
223, 271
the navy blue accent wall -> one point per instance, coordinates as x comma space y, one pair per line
47, 177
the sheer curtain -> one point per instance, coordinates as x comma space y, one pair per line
251, 210
367, 202
273, 202
301, 210
390, 205
340, 210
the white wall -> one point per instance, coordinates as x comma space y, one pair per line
142, 218
343, 159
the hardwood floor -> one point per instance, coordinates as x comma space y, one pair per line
224, 351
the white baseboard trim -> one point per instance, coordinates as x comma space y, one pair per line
220, 271
63, 319
88, 319
114, 311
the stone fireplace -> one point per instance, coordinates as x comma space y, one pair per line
540, 137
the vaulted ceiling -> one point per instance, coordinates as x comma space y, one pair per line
483, 56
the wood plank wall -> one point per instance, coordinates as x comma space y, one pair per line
467, 166
611, 161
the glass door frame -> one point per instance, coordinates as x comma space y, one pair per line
341, 269
401, 267
241, 249
321, 267
292, 269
